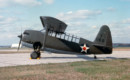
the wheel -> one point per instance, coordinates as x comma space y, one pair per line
34, 55
95, 57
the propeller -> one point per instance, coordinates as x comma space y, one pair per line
20, 36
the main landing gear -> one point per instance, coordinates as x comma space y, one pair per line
36, 54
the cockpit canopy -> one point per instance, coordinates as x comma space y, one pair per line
53, 24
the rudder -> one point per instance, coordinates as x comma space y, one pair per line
104, 39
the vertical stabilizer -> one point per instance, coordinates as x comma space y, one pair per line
103, 40
104, 37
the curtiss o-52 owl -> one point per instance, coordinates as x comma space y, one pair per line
53, 36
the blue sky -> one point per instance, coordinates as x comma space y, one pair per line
83, 17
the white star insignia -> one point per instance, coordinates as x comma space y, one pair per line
84, 48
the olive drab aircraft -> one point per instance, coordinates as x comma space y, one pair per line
53, 36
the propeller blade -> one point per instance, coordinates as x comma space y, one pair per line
20, 36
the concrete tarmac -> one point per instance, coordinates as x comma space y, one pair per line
15, 59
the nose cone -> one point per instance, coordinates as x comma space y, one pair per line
20, 36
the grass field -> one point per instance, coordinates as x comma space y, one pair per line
121, 49
118, 69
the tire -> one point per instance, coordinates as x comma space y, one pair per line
95, 57
34, 55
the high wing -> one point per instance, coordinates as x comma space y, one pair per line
68, 43
53, 24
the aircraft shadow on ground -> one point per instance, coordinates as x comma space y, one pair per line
76, 57
84, 57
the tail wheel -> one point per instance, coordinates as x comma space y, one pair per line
95, 57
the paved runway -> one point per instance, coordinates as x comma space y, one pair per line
14, 59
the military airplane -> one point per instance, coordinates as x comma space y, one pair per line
53, 36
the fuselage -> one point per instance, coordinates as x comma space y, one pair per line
63, 41
60, 42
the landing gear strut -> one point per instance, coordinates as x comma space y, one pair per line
36, 53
